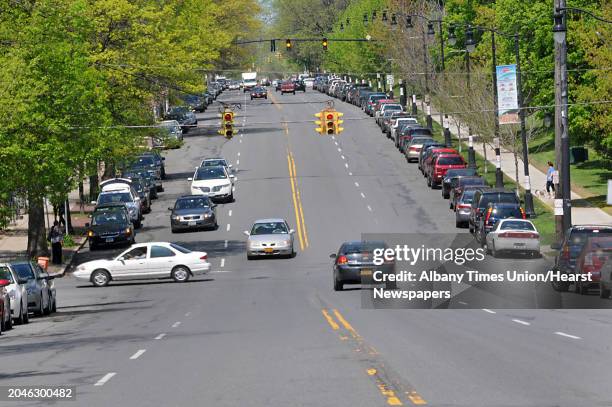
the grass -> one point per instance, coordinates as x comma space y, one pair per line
589, 179
544, 219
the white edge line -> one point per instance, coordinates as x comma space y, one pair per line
138, 354
222, 262
105, 378
228, 227
520, 321
567, 335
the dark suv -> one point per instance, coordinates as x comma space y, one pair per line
110, 225
482, 199
571, 247
451, 177
496, 211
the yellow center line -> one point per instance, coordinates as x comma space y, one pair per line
275, 102
330, 320
345, 323
295, 204
416, 398
299, 201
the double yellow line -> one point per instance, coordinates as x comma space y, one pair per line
297, 203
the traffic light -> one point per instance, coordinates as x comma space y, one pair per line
329, 122
227, 124
288, 44
324, 43
337, 123
320, 128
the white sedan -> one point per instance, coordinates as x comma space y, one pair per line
513, 235
146, 261
214, 182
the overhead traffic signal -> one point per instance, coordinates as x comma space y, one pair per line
320, 128
288, 44
227, 124
324, 43
330, 122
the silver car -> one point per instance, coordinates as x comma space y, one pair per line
40, 287
270, 237
17, 293
513, 235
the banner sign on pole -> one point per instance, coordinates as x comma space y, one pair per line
507, 97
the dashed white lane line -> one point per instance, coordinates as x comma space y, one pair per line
238, 154
350, 173
346, 165
225, 244
137, 354
222, 262
357, 184
105, 378
567, 335
462, 303
369, 208
160, 336
343, 157
240, 141
221, 271
489, 311
228, 227
229, 213
520, 321
339, 150
237, 162
176, 324
187, 314
362, 195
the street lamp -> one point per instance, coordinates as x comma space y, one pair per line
547, 120
559, 29
430, 28
452, 40
470, 44
409, 22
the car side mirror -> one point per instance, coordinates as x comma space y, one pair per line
232, 176
87, 225
169, 208
190, 179
555, 246
230, 166
121, 259
93, 203
333, 256
291, 231
22, 281
246, 232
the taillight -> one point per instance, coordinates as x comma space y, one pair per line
128, 231
566, 252
414, 148
463, 206
523, 213
488, 215
341, 260
204, 257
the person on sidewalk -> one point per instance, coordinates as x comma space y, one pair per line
549, 180
56, 237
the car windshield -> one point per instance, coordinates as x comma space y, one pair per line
506, 212
214, 163
180, 248
269, 228
472, 181
361, 247
23, 270
579, 237
516, 225
5, 274
108, 217
392, 107
499, 197
204, 173
452, 160
192, 203
468, 196
115, 197
145, 160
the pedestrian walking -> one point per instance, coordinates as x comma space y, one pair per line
56, 237
550, 185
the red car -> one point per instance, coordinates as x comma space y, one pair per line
439, 164
594, 255
428, 155
6, 319
287, 87
258, 92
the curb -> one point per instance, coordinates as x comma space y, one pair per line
69, 263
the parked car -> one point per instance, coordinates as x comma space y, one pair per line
400, 122
596, 251
159, 161
427, 145
354, 264
457, 186
287, 87
110, 226
147, 178
387, 107
269, 237
145, 261
513, 236
6, 322
113, 192
184, 116
427, 156
300, 85
569, 250
605, 279
463, 204
259, 92
151, 164
195, 102
42, 299
17, 293
452, 176
410, 131
481, 201
440, 164
214, 182
170, 129
193, 212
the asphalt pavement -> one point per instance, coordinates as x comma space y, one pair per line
272, 332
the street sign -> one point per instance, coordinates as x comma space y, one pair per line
390, 80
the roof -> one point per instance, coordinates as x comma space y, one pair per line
269, 220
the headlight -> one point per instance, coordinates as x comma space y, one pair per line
174, 217
90, 233
12, 294
208, 215
131, 209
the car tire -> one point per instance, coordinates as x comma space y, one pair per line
560, 286
231, 198
294, 92
54, 306
21, 319
251, 97
458, 224
47, 309
40, 311
180, 274
603, 291
26, 316
92, 247
100, 278
338, 286
138, 224
494, 252
173, 230
8, 325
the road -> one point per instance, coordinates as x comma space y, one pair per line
273, 332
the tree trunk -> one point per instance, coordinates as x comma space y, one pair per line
516, 168
37, 236
93, 187
68, 217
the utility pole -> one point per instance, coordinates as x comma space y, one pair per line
499, 176
563, 208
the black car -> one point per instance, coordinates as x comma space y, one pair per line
481, 202
110, 226
452, 175
569, 250
354, 264
144, 192
159, 162
182, 114
195, 102
145, 176
300, 85
493, 212
193, 212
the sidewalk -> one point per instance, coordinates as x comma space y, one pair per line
580, 215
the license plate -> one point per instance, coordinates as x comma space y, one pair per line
519, 244
268, 250
109, 239
366, 272
191, 223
